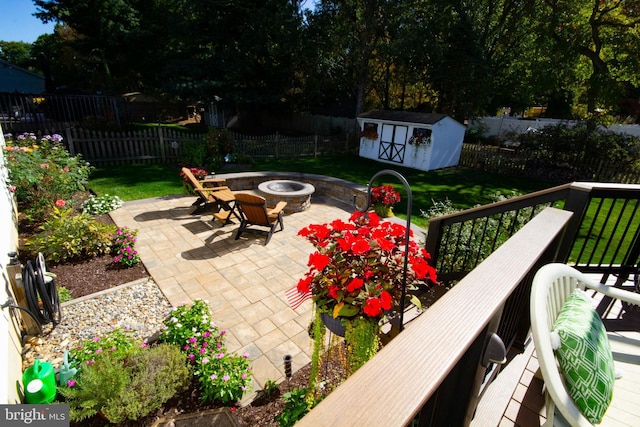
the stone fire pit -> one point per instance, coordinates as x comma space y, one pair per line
297, 194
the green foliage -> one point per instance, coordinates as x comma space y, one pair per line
127, 385
64, 294
362, 341
65, 236
123, 247
193, 153
222, 376
270, 388
467, 243
117, 342
43, 172
295, 407
584, 141
99, 205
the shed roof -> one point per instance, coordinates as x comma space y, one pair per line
403, 116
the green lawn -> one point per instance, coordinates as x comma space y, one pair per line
463, 186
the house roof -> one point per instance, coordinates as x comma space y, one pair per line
17, 79
403, 116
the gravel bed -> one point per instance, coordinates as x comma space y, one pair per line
139, 306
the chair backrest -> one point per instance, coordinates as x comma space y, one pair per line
192, 179
253, 208
552, 285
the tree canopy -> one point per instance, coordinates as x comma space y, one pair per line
460, 57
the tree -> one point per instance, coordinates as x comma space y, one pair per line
605, 34
18, 53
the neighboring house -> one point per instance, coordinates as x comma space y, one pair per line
16, 79
417, 140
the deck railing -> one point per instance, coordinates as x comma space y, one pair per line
432, 372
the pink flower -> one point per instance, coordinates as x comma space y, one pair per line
60, 203
71, 383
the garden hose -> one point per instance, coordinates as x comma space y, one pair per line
41, 293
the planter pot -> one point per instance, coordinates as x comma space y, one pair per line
333, 325
383, 211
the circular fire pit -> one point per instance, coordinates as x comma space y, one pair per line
297, 194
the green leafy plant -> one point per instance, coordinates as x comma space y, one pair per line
42, 171
221, 375
64, 294
193, 152
126, 385
99, 205
270, 388
123, 247
295, 407
118, 342
65, 236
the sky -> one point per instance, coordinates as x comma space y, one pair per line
18, 24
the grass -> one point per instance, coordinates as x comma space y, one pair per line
465, 187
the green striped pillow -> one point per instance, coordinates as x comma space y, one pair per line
585, 356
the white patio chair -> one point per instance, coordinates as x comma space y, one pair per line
552, 285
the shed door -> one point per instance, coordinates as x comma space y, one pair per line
392, 142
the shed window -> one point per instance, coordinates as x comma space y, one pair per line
370, 131
420, 136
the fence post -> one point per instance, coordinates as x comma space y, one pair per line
72, 149
161, 138
315, 145
277, 145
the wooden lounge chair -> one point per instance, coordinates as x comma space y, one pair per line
552, 286
203, 189
253, 211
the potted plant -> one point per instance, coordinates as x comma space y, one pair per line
383, 197
355, 277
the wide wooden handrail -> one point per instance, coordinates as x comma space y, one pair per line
395, 384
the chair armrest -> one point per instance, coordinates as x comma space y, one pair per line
279, 207
613, 292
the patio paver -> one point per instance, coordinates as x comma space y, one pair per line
192, 256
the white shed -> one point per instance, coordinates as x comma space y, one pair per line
415, 140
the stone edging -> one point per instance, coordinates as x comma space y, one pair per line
104, 292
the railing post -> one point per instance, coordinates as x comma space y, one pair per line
577, 201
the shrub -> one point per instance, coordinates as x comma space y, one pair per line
221, 375
127, 385
99, 205
42, 171
118, 342
65, 236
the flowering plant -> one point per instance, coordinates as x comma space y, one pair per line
123, 246
369, 133
42, 171
118, 341
199, 173
357, 268
384, 195
98, 205
221, 375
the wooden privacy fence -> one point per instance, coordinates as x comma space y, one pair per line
162, 145
544, 167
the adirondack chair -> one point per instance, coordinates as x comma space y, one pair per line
253, 211
552, 286
203, 189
